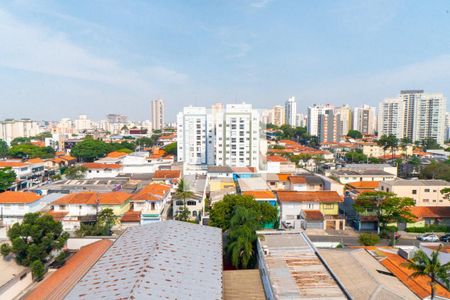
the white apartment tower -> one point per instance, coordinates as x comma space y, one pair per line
345, 123
290, 108
277, 116
364, 119
11, 129
313, 117
157, 113
391, 113
226, 137
420, 115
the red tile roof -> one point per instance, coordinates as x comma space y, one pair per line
131, 216
101, 166
364, 185
167, 174
260, 194
35, 160
90, 198
276, 158
318, 196
12, 164
116, 154
18, 197
283, 177
419, 285
57, 215
58, 284
313, 215
422, 212
152, 192
297, 179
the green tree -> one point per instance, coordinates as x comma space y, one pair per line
446, 193
356, 156
430, 143
20, 140
242, 236
75, 172
422, 265
42, 136
171, 149
354, 134
37, 270
222, 211
89, 150
182, 193
386, 206
368, 239
101, 227
148, 141
35, 238
436, 170
4, 149
31, 151
7, 178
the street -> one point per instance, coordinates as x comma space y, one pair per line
353, 240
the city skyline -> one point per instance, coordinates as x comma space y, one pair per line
62, 60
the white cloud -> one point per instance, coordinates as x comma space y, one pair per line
260, 3
34, 48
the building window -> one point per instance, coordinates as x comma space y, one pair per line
328, 206
426, 200
427, 190
414, 192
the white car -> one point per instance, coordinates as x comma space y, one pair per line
428, 237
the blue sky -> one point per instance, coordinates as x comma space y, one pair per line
64, 58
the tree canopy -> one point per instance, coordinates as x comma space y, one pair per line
436, 170
3, 149
34, 239
75, 172
171, 149
7, 178
26, 150
354, 134
148, 141
101, 227
388, 207
89, 150
222, 211
356, 156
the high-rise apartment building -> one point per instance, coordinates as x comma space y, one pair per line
313, 117
301, 120
157, 113
391, 113
229, 137
277, 116
364, 119
290, 108
345, 121
420, 115
11, 129
83, 123
329, 126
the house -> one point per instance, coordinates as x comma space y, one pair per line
84, 206
292, 203
219, 171
98, 170
14, 205
279, 164
349, 176
196, 184
424, 192
252, 184
160, 260
167, 176
151, 200
428, 215
305, 182
60, 161
27, 174
358, 187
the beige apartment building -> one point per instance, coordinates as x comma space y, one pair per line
424, 192
373, 150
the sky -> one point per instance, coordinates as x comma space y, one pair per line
64, 58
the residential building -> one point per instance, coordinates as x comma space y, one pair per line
391, 114
415, 115
263, 196
329, 126
324, 204
230, 137
99, 170
83, 124
424, 192
301, 120
291, 269
346, 176
195, 204
28, 174
151, 201
277, 116
170, 177
11, 129
345, 122
157, 114
161, 260
428, 215
290, 108
279, 164
365, 119
306, 182
80, 207
313, 117
14, 205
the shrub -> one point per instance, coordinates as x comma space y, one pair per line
429, 228
60, 260
37, 270
369, 239
5, 249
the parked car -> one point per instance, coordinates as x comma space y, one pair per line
428, 237
445, 238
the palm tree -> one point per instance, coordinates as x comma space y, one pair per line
184, 193
384, 143
242, 237
422, 265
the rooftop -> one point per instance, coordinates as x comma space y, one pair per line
152, 192
364, 185
91, 198
260, 194
417, 182
313, 215
242, 284
18, 197
59, 283
167, 174
157, 260
252, 184
219, 169
363, 172
422, 212
363, 276
101, 166
294, 270
316, 196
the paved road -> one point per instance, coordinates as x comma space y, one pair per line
353, 241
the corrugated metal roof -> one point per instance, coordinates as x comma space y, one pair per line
170, 260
